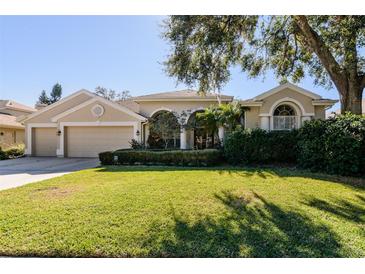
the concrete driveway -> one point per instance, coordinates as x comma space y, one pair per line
18, 172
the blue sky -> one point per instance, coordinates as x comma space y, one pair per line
118, 52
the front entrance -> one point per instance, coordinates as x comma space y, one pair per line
202, 138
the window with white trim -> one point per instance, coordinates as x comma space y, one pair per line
284, 118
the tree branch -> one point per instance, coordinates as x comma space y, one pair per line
315, 43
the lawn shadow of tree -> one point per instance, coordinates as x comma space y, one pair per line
341, 208
264, 172
251, 227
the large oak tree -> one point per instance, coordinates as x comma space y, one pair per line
328, 48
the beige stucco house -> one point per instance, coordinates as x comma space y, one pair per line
11, 131
84, 124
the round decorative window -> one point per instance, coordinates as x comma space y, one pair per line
97, 110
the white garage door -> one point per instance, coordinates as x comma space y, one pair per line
45, 141
90, 141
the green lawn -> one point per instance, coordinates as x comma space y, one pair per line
184, 212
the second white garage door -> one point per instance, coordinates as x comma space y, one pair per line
90, 141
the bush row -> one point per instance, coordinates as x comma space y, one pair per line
11, 152
335, 145
207, 157
258, 146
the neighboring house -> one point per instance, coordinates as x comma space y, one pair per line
84, 124
11, 131
338, 111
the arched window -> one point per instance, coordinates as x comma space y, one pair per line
284, 117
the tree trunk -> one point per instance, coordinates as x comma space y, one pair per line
351, 98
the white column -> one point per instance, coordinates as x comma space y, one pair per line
221, 134
182, 138
265, 122
61, 141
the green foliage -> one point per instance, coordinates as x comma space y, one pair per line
136, 144
209, 119
207, 157
328, 48
336, 145
229, 115
3, 155
56, 93
112, 95
43, 98
106, 158
12, 152
165, 125
258, 146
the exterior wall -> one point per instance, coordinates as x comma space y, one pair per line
111, 117
47, 115
11, 136
252, 119
319, 112
270, 100
85, 115
148, 108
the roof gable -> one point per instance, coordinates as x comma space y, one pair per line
287, 86
10, 104
98, 99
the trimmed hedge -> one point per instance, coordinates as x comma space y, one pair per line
12, 152
336, 145
258, 146
207, 157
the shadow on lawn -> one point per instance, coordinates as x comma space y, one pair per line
341, 208
250, 228
263, 172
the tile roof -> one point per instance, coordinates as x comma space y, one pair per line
9, 121
180, 94
10, 104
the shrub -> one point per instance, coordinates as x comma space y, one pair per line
106, 158
207, 157
12, 152
136, 145
3, 155
336, 145
258, 146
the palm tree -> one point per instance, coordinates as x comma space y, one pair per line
230, 115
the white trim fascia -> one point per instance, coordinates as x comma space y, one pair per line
290, 86
160, 109
324, 103
60, 151
251, 104
182, 100
72, 110
29, 127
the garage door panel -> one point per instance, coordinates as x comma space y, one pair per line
45, 141
90, 141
